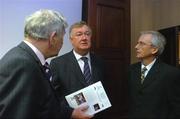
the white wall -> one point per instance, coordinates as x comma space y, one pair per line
13, 13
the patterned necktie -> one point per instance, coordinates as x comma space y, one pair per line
47, 71
143, 74
86, 72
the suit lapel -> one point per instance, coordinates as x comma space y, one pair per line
137, 75
152, 74
30, 52
76, 69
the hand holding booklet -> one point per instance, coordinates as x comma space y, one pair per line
94, 96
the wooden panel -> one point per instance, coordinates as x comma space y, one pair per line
108, 36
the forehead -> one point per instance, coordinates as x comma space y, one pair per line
145, 38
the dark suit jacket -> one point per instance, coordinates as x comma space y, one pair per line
24, 90
159, 96
68, 76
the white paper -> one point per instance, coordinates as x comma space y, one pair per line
93, 95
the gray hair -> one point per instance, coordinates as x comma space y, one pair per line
158, 40
78, 25
42, 23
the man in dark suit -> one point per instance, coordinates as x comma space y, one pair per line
154, 92
68, 69
25, 89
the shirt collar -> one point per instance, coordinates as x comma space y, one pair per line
78, 56
149, 65
37, 52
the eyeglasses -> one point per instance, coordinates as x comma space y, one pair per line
80, 34
140, 43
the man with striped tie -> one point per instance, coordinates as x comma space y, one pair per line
78, 68
25, 88
154, 85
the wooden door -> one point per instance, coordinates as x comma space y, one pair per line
110, 22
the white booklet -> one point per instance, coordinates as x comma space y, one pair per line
94, 96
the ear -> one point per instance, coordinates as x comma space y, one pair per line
70, 37
154, 50
52, 38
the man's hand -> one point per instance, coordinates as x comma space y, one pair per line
79, 113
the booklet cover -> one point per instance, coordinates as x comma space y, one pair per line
93, 95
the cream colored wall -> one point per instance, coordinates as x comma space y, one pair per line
152, 15
167, 13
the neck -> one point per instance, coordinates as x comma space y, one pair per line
147, 61
40, 45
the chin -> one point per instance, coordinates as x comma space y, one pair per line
53, 55
138, 57
85, 47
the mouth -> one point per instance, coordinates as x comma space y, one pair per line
137, 52
84, 43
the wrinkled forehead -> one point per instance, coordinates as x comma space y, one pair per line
147, 38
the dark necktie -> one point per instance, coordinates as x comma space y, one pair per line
47, 71
143, 74
86, 72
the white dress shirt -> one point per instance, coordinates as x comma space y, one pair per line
148, 67
81, 62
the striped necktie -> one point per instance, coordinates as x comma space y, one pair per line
47, 71
143, 74
86, 72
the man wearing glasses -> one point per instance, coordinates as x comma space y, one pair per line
153, 85
79, 68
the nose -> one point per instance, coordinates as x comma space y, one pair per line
136, 46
